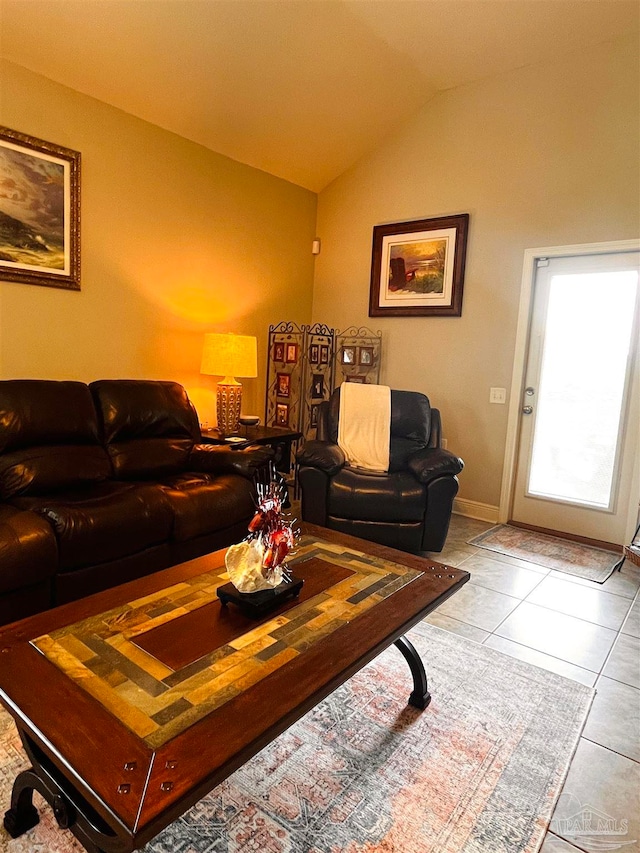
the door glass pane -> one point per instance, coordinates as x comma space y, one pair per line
582, 382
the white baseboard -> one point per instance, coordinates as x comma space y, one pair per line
474, 509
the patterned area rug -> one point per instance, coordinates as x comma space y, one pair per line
562, 555
478, 771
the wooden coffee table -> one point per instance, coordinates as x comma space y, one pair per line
134, 703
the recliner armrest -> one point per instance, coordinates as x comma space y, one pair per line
434, 462
221, 459
321, 454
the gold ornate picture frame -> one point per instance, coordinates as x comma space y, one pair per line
39, 211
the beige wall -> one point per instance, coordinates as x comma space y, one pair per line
542, 156
176, 241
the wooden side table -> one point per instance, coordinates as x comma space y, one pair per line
280, 439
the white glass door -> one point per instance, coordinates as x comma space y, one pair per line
579, 408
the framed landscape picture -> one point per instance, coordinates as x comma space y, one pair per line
39, 211
417, 268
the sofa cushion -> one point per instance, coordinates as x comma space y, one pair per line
103, 522
203, 504
149, 427
28, 553
48, 437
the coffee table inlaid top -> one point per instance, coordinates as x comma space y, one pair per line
112, 658
147, 695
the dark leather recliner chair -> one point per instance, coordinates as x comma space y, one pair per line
407, 508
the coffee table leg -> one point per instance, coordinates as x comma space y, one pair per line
70, 809
22, 815
420, 697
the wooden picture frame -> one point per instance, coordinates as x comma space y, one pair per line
291, 353
314, 356
278, 351
40, 217
366, 356
317, 386
348, 355
417, 268
283, 384
282, 414
313, 415
324, 354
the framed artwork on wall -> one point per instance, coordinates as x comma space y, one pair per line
40, 216
278, 351
314, 357
292, 353
417, 268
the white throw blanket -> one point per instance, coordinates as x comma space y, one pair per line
364, 425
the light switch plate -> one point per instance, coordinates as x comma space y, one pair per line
498, 395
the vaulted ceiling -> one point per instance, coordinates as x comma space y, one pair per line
299, 88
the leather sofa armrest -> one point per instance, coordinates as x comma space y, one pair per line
434, 462
221, 459
321, 454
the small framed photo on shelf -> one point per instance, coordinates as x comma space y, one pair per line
355, 378
292, 353
313, 417
283, 384
282, 414
365, 356
324, 354
348, 355
278, 351
317, 386
314, 354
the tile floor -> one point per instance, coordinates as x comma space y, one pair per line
586, 631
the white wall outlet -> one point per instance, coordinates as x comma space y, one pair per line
498, 395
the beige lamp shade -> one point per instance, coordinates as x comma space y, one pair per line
229, 355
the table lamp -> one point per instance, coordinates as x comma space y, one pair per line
229, 356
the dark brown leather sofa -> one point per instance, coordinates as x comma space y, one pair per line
106, 482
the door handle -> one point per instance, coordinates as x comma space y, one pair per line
527, 410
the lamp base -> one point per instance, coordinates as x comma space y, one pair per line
228, 404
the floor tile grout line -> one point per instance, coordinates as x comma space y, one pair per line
560, 838
610, 749
546, 654
607, 658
